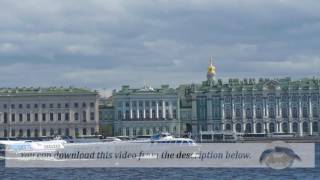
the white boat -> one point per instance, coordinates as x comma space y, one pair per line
33, 146
166, 138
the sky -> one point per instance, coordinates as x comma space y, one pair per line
104, 44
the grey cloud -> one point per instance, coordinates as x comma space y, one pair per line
104, 43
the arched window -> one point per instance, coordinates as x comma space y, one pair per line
284, 127
315, 112
228, 127
305, 127
238, 127
295, 127
248, 113
259, 128
248, 128
315, 127
305, 113
284, 112
295, 112
259, 113
271, 128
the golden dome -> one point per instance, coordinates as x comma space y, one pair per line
211, 68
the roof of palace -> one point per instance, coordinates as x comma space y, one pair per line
147, 89
262, 84
30, 91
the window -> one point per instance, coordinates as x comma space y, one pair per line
44, 132
58, 105
84, 131
67, 132
76, 116
66, 116
84, 105
20, 117
59, 131
238, 112
28, 106
284, 112
248, 113
66, 105
13, 133
35, 105
28, 117
305, 112
28, 133
92, 105
20, 106
5, 133
43, 116
92, 131
59, 116
13, 106
36, 118
5, 117
315, 112
92, 116
20, 133
13, 117
43, 105
51, 105
51, 116
4, 106
174, 114
51, 132
76, 130
259, 113
295, 112
36, 133
84, 116
76, 105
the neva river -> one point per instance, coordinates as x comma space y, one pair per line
161, 173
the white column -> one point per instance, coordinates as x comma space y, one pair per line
254, 111
300, 129
223, 126
290, 127
290, 108
157, 109
233, 110
254, 128
244, 127
131, 115
243, 109
170, 110
123, 110
268, 129
277, 126
164, 109
150, 109
310, 128
138, 109
300, 107
310, 108
280, 108
144, 109
280, 127
264, 128
222, 110
234, 127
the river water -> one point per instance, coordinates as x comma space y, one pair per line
161, 173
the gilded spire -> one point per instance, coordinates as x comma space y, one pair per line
211, 70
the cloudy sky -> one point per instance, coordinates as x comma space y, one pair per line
107, 43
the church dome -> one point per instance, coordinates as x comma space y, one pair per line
211, 70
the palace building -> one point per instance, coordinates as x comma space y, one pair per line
44, 112
253, 106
